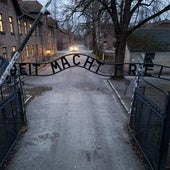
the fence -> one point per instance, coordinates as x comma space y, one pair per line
12, 116
150, 123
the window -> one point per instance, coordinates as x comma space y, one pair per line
4, 52
13, 48
36, 52
19, 27
32, 50
11, 25
25, 27
30, 25
1, 24
27, 50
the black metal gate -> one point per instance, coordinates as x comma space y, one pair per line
150, 123
12, 116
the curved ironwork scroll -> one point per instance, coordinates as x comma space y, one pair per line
91, 64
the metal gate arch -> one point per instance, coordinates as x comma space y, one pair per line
92, 64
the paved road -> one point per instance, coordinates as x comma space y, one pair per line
79, 124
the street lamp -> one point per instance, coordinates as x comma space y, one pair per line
48, 52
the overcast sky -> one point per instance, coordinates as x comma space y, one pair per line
43, 2
59, 4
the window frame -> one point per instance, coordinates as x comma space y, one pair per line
1, 23
19, 27
4, 52
25, 27
32, 50
11, 24
27, 50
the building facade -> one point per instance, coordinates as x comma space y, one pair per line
9, 12
64, 39
16, 18
105, 38
151, 38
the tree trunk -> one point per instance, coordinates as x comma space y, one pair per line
120, 54
95, 50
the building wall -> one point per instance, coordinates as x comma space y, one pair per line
43, 38
8, 40
32, 52
63, 40
49, 36
88, 41
106, 38
162, 58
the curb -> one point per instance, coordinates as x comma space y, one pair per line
119, 97
28, 98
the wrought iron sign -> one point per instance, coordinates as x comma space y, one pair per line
91, 64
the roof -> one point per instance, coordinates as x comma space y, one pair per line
150, 39
161, 24
51, 22
31, 6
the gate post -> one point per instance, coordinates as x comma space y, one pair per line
165, 137
137, 80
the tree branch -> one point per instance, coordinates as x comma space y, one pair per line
167, 8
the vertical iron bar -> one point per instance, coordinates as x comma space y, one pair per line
165, 138
137, 79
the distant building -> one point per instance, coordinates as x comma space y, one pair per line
105, 39
64, 39
151, 38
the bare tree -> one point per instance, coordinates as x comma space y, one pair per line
125, 16
91, 16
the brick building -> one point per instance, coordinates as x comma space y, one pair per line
9, 12
16, 18
64, 39
106, 37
